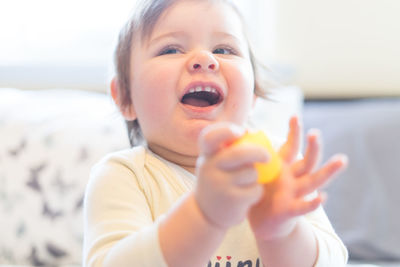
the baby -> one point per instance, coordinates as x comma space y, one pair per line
182, 195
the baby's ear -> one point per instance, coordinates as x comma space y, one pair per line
126, 110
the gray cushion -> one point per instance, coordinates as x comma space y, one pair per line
363, 202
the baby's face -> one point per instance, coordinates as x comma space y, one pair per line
194, 70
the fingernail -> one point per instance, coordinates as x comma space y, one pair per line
323, 196
314, 132
237, 130
342, 158
314, 135
294, 119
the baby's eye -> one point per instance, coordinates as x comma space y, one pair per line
169, 50
224, 51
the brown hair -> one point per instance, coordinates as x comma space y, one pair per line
142, 22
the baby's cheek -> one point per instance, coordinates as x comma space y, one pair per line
157, 92
240, 74
241, 88
157, 108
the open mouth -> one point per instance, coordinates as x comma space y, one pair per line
202, 97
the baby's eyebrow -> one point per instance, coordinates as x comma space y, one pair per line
230, 38
177, 34
227, 35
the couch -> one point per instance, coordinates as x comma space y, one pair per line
51, 138
363, 202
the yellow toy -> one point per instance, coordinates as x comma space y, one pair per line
269, 171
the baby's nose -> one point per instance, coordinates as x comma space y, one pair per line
203, 61
197, 66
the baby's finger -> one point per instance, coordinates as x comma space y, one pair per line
312, 155
216, 136
314, 181
250, 195
240, 156
291, 148
303, 207
245, 176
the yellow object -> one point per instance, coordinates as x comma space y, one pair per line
269, 171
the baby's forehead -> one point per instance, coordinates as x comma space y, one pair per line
219, 15
157, 18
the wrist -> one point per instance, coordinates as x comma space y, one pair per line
206, 220
182, 229
278, 233
300, 244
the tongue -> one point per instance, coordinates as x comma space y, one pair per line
197, 102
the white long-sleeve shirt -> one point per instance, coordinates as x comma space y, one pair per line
127, 195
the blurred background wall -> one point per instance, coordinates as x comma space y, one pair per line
340, 48
330, 48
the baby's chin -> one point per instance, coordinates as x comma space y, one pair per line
179, 153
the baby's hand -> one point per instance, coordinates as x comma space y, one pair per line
283, 200
226, 177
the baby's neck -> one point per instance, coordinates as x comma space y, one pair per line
187, 162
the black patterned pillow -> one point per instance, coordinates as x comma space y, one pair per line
48, 142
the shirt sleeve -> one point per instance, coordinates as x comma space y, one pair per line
331, 250
119, 226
